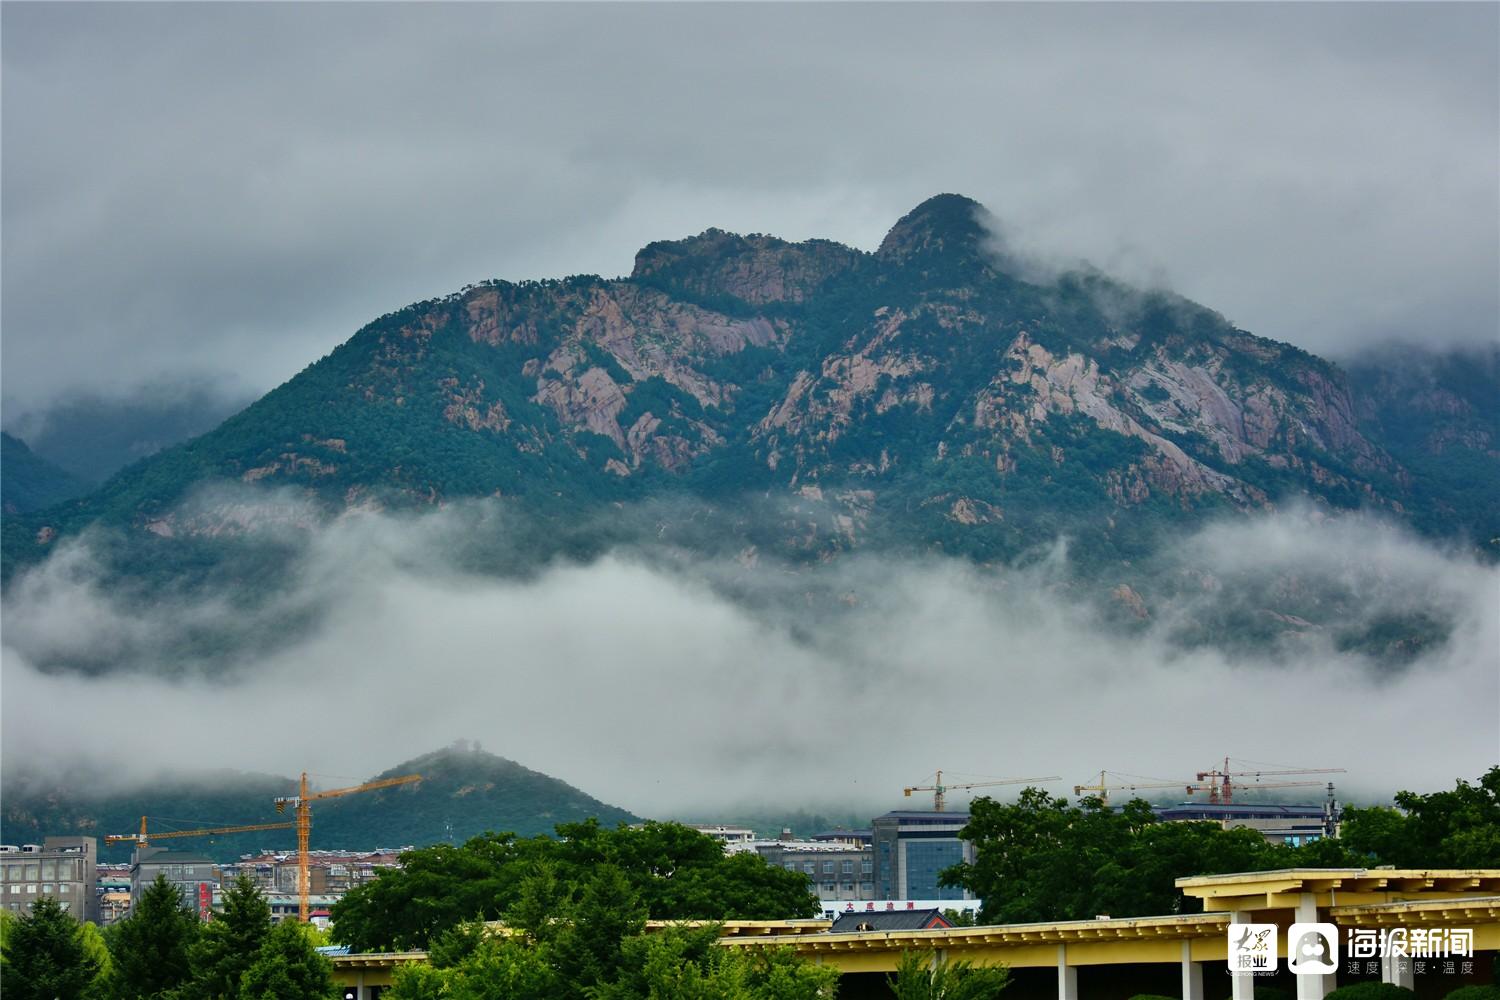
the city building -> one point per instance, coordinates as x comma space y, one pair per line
61, 867
836, 871
726, 834
865, 836
912, 848
193, 875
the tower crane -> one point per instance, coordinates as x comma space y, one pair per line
1220, 786
1104, 787
301, 803
144, 838
939, 790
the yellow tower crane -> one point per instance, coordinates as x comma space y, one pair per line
939, 790
1105, 786
302, 804
143, 839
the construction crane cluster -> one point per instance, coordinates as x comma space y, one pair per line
301, 805
1220, 782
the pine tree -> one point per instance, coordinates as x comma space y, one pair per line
150, 947
228, 946
287, 967
45, 956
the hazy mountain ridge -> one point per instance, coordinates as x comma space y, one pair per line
465, 791
30, 482
921, 396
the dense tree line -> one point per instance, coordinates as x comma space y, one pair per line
1043, 858
569, 915
676, 873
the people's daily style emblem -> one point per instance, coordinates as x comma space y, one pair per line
1312, 949
1252, 947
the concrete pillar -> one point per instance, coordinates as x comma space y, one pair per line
1067, 976
1310, 987
1241, 984
1192, 974
1398, 971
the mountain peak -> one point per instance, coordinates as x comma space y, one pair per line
942, 224
755, 269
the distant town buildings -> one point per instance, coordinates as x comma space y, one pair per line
889, 870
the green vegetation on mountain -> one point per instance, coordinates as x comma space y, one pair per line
801, 400
29, 482
1439, 417
464, 792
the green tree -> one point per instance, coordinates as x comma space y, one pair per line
98, 950
287, 967
229, 944
922, 976
677, 963
586, 951
499, 968
436, 888
46, 958
675, 871
784, 975
1044, 859
150, 947
1449, 829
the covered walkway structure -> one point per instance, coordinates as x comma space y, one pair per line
1112, 959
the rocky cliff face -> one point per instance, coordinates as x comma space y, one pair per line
923, 392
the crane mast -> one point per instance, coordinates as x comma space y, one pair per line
301, 804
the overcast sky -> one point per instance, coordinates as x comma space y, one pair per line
212, 189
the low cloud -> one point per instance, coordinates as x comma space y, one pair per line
675, 685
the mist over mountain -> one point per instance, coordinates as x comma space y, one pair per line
29, 482
93, 436
659, 524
